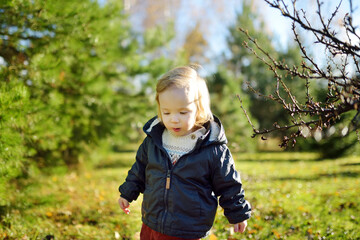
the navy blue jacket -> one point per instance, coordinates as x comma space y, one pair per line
181, 200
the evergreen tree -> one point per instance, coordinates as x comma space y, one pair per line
225, 89
72, 73
255, 74
14, 102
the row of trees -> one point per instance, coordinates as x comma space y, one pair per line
71, 74
74, 74
316, 83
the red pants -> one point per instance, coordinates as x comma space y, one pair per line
149, 234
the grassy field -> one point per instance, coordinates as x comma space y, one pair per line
294, 196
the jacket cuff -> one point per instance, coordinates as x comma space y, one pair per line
239, 215
125, 197
238, 219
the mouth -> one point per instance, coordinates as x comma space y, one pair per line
176, 129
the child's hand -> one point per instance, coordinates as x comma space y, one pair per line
124, 204
240, 227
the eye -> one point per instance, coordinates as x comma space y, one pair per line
166, 113
182, 113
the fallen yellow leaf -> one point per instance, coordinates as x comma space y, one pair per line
301, 208
213, 237
251, 231
277, 235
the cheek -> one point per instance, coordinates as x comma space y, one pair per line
164, 119
192, 118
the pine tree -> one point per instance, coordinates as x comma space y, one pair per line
73, 73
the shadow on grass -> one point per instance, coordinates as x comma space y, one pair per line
351, 164
27, 202
31, 196
124, 159
345, 174
291, 160
115, 164
278, 157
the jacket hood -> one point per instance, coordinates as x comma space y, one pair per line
215, 133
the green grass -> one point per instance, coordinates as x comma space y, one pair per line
294, 196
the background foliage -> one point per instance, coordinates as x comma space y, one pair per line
77, 82
67, 78
293, 196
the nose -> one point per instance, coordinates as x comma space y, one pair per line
174, 118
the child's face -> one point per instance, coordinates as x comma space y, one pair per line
178, 110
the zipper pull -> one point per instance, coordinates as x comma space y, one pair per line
167, 186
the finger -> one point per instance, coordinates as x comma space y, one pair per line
124, 205
236, 227
126, 210
121, 203
242, 227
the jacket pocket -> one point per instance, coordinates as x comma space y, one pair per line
145, 203
152, 206
185, 207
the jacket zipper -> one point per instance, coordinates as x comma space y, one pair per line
167, 187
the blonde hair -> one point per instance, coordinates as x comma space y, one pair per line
187, 77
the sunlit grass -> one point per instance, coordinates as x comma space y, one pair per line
294, 196
299, 196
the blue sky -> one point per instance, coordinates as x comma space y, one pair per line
217, 21
215, 16
279, 26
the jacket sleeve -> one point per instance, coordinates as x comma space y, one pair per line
227, 185
135, 181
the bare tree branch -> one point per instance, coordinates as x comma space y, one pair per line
342, 71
